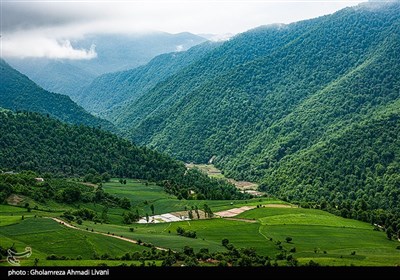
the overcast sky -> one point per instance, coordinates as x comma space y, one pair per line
43, 28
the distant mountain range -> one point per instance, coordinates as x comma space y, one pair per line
114, 53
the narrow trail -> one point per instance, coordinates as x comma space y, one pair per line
102, 233
259, 231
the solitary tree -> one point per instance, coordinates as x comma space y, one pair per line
288, 239
225, 242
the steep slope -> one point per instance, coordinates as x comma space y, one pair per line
18, 93
106, 93
252, 109
358, 168
114, 53
30, 141
310, 109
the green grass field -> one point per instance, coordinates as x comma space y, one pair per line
316, 235
47, 237
326, 238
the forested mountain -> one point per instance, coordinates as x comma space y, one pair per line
30, 141
114, 53
18, 93
269, 98
110, 91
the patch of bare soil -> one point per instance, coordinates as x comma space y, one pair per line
233, 212
15, 199
244, 185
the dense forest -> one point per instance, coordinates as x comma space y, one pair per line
355, 174
30, 141
19, 93
110, 92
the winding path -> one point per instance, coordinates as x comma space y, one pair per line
105, 234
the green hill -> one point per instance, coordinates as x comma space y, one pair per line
19, 93
30, 141
270, 99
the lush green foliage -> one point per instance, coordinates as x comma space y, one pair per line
29, 141
18, 93
108, 92
351, 175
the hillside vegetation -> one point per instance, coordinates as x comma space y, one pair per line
109, 92
30, 141
309, 109
19, 93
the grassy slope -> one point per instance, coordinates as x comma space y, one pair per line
46, 237
317, 230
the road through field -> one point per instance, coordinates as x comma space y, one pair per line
102, 233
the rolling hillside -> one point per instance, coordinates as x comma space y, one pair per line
19, 93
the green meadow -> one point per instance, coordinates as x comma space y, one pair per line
47, 237
314, 234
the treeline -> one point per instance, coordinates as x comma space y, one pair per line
201, 187
30, 141
236, 257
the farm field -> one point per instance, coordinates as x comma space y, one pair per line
264, 225
142, 196
316, 235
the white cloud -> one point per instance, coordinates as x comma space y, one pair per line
179, 48
46, 24
26, 46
